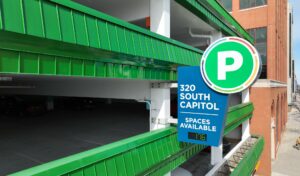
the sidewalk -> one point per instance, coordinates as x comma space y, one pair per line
288, 158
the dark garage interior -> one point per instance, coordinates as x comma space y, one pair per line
31, 134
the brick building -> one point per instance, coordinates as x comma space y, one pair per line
267, 22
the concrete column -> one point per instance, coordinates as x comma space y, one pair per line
160, 92
160, 106
216, 152
246, 124
160, 17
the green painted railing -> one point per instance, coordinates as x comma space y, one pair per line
82, 38
21, 62
214, 14
151, 153
237, 115
247, 165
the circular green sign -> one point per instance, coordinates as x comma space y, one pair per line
230, 65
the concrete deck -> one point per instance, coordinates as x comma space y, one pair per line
29, 141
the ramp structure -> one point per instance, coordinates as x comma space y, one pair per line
64, 39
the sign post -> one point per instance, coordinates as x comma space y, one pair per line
229, 65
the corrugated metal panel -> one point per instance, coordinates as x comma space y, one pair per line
151, 153
41, 64
126, 157
237, 115
65, 28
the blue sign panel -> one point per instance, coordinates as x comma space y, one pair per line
201, 110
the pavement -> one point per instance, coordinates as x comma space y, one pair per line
287, 162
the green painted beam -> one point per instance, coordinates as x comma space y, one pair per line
126, 157
215, 15
16, 62
237, 115
247, 165
152, 153
63, 28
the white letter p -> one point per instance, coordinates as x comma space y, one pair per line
223, 68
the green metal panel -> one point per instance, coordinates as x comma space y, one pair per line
152, 153
63, 28
214, 14
41, 64
126, 157
237, 115
247, 165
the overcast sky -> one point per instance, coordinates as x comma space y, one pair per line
296, 37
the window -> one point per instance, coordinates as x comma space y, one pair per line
260, 43
244, 4
227, 4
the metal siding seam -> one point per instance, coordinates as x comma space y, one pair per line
1, 16
23, 16
126, 42
73, 27
38, 72
144, 46
86, 31
139, 44
129, 163
103, 35
133, 43
42, 19
33, 18
49, 30
19, 63
123, 41
117, 38
130, 40
55, 62
97, 30
112, 37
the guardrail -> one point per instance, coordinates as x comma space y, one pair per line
249, 161
156, 152
80, 41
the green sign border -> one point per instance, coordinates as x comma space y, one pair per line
254, 74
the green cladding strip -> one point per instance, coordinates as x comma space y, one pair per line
237, 115
15, 62
215, 15
152, 153
67, 29
247, 165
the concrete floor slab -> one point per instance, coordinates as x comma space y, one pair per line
29, 141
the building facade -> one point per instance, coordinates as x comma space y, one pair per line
269, 23
291, 62
125, 50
